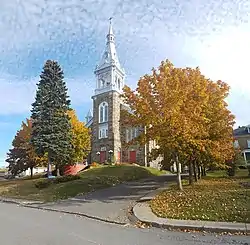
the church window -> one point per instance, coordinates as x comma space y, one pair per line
134, 132
103, 131
103, 112
119, 84
127, 137
131, 133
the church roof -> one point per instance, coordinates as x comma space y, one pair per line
244, 130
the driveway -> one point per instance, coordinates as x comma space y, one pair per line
111, 204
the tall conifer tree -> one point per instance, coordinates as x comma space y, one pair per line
51, 134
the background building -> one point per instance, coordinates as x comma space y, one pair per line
242, 140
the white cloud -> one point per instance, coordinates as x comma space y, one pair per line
187, 32
226, 57
17, 96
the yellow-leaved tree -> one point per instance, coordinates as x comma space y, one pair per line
80, 139
175, 105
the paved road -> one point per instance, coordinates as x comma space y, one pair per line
111, 203
27, 226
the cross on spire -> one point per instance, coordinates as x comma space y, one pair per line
110, 20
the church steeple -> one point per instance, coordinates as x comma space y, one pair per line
109, 57
110, 33
109, 73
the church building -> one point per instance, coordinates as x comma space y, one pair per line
109, 137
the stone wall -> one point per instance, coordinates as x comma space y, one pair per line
113, 142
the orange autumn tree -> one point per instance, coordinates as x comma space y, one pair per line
22, 156
80, 138
174, 105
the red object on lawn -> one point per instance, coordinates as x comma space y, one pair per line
73, 169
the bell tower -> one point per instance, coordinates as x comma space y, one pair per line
106, 140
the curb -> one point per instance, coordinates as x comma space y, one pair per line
149, 196
19, 202
143, 213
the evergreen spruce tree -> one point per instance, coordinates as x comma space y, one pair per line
51, 128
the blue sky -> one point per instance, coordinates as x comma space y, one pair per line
213, 35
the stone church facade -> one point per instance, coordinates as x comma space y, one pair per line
109, 138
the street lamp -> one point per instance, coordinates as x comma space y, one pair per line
98, 154
110, 155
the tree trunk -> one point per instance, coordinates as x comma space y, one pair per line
31, 172
179, 183
203, 171
199, 171
190, 173
49, 168
195, 173
57, 171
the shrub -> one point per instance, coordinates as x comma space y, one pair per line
66, 178
44, 183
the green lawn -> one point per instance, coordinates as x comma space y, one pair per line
223, 174
214, 198
90, 180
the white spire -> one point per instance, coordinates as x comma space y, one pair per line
109, 56
109, 73
110, 26
90, 113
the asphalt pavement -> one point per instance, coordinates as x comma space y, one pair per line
110, 204
29, 226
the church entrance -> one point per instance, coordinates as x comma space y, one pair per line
119, 156
132, 156
102, 156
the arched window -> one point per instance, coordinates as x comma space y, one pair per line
103, 112
119, 84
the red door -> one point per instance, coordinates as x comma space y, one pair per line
102, 156
119, 156
132, 156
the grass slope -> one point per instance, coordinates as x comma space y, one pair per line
90, 180
214, 198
